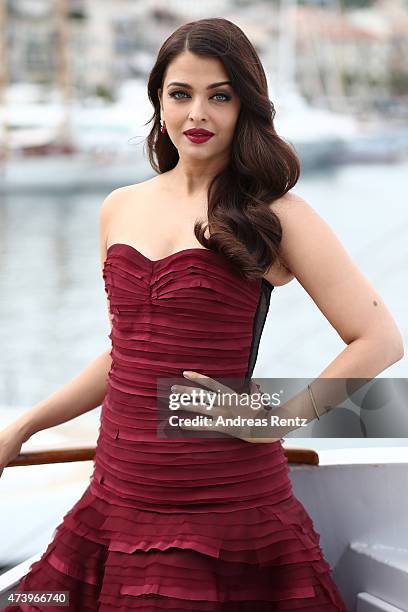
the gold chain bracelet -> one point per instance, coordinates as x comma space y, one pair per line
313, 401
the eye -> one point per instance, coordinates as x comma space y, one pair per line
173, 94
226, 97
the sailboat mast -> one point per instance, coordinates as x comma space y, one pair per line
286, 72
63, 71
4, 76
333, 72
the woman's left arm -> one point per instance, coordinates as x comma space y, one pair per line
312, 252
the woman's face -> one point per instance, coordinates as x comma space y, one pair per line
195, 105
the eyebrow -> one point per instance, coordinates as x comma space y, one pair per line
187, 86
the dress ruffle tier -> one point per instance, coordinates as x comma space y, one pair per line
187, 524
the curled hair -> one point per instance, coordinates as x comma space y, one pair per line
262, 166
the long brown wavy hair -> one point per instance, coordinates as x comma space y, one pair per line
262, 166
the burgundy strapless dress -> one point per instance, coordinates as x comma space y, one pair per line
188, 524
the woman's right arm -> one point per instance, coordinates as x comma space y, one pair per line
83, 393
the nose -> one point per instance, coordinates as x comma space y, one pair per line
197, 111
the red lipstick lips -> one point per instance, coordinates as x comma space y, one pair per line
198, 135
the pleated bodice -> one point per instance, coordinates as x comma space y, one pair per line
189, 310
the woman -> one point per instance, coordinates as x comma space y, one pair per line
193, 523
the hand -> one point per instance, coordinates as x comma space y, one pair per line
11, 442
231, 408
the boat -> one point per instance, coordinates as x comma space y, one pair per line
363, 534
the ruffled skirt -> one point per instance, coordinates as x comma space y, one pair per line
119, 552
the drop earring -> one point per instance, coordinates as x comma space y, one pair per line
163, 127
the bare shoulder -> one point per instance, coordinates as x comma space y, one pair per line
114, 206
117, 198
295, 216
288, 202
122, 193
112, 199
280, 273
305, 234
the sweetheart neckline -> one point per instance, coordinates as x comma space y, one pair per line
133, 248
190, 249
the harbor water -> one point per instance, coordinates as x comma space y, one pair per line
54, 311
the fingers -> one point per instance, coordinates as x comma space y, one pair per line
209, 382
254, 387
208, 405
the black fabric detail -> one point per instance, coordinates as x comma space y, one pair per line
259, 322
